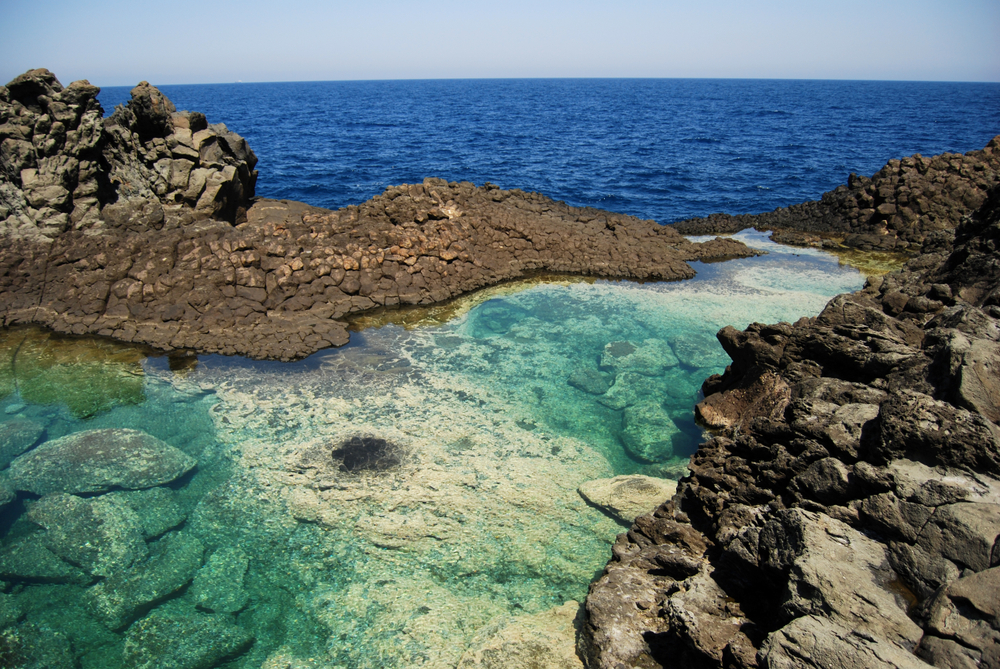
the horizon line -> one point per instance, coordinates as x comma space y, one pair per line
568, 78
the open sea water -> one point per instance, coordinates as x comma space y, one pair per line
462, 529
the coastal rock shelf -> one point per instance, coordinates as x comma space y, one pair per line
170, 251
849, 508
894, 210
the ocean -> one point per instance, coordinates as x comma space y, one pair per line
661, 149
483, 416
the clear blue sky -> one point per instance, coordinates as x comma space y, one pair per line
117, 43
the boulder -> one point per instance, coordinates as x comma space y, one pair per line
156, 509
628, 389
651, 357
36, 646
832, 570
172, 563
218, 585
590, 381
98, 461
963, 623
625, 497
27, 560
183, 640
17, 436
818, 642
100, 535
648, 432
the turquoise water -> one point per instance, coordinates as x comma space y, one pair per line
491, 411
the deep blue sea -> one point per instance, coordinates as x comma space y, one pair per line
665, 149
490, 416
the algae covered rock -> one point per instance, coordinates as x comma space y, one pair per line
33, 646
156, 509
17, 436
100, 535
625, 497
28, 560
180, 640
590, 381
98, 461
218, 586
648, 431
173, 561
652, 357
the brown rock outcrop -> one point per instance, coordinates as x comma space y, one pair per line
146, 232
65, 167
895, 209
848, 513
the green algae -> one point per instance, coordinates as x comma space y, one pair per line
87, 376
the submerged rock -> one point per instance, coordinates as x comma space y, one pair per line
32, 646
172, 564
100, 535
218, 586
541, 641
625, 497
17, 436
648, 432
29, 561
652, 357
98, 461
156, 508
181, 640
590, 381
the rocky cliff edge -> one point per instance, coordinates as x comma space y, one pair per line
847, 514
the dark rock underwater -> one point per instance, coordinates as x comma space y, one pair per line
847, 513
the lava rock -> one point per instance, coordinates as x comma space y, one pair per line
98, 461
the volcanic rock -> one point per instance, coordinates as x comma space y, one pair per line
98, 461
851, 498
898, 208
183, 640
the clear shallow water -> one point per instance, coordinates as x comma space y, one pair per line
477, 524
665, 149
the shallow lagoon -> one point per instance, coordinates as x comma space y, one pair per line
470, 528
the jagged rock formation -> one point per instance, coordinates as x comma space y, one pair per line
142, 233
895, 209
64, 167
848, 513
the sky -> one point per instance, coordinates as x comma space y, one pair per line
119, 43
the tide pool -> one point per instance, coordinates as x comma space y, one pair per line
404, 501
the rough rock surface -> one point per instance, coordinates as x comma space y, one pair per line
98, 461
625, 497
141, 227
847, 514
896, 209
65, 167
183, 640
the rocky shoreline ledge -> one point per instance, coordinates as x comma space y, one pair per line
143, 227
848, 512
893, 210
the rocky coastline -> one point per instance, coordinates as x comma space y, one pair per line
847, 514
143, 227
893, 210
